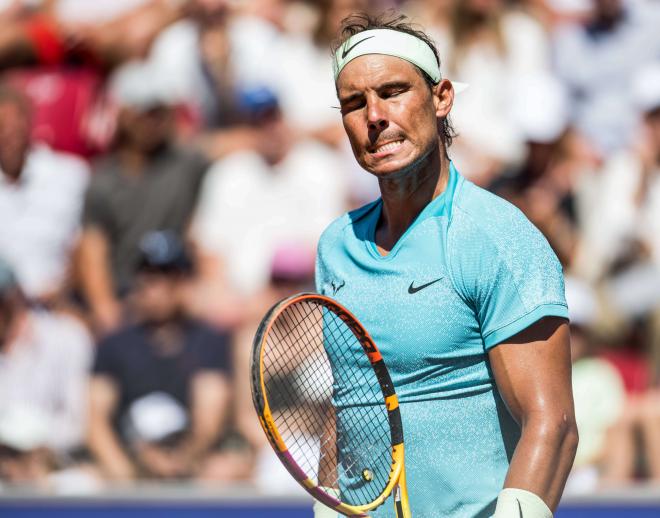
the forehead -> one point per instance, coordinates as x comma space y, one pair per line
372, 70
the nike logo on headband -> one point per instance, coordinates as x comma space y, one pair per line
345, 52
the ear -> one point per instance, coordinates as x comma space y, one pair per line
443, 98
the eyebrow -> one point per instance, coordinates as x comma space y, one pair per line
380, 88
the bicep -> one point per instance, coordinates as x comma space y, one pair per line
532, 371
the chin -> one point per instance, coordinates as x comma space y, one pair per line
391, 168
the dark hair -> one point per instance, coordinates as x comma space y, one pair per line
360, 22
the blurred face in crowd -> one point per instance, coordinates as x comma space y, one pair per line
608, 10
390, 114
483, 7
275, 141
210, 11
146, 130
14, 136
158, 296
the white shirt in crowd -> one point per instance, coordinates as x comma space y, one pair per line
248, 209
39, 218
43, 377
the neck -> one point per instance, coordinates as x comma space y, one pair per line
17, 325
12, 169
406, 193
132, 159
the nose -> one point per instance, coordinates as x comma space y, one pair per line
376, 116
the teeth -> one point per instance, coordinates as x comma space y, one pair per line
389, 147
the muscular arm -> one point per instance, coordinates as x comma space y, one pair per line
533, 374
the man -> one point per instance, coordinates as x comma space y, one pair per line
597, 59
463, 296
44, 360
160, 387
146, 184
41, 194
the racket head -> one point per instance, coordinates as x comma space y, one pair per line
307, 338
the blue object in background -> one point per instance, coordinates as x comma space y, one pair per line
190, 509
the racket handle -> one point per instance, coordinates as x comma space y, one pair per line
401, 505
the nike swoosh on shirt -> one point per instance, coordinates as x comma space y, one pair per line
345, 52
519, 509
412, 289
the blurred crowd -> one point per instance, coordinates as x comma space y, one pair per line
167, 167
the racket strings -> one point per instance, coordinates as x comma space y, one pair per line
311, 357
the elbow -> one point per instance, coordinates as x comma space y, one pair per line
560, 432
571, 440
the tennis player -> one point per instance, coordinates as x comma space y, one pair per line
462, 294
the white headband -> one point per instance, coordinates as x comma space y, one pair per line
390, 43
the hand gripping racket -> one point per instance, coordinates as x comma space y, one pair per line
327, 405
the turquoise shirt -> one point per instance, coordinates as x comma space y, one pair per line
470, 272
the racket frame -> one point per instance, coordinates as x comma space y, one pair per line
396, 482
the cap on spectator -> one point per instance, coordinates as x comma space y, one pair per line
540, 107
7, 278
646, 87
164, 251
156, 417
257, 102
136, 85
23, 428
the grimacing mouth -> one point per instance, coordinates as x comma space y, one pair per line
389, 144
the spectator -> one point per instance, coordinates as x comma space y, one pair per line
626, 201
597, 59
41, 194
282, 194
490, 46
44, 360
160, 386
59, 53
598, 390
279, 197
147, 183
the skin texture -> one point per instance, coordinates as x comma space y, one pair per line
384, 99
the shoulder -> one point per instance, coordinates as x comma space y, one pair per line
206, 332
66, 333
486, 229
65, 160
184, 160
336, 231
248, 162
480, 213
121, 339
64, 170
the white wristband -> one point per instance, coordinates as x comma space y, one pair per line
518, 503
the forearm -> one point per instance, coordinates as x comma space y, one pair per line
209, 412
112, 458
95, 278
544, 457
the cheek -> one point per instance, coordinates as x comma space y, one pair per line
354, 131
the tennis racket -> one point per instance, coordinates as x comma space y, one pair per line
327, 405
